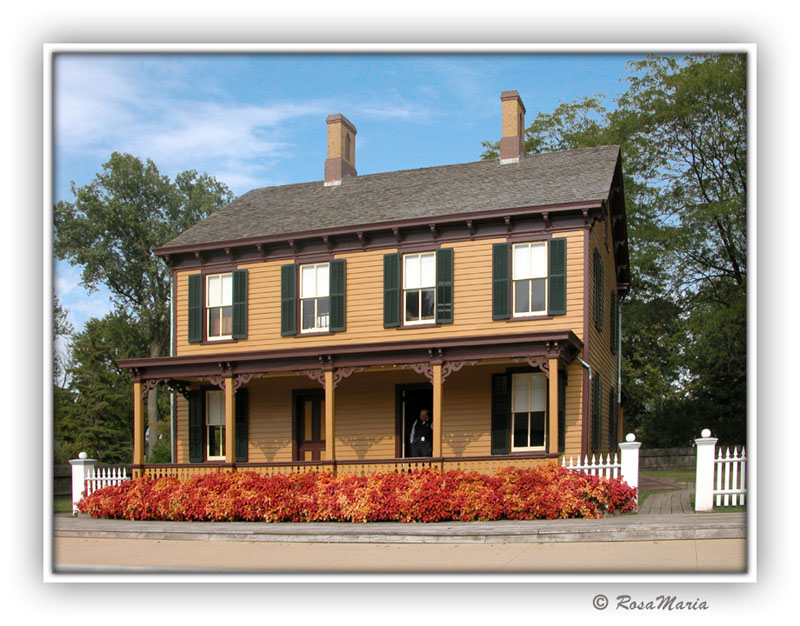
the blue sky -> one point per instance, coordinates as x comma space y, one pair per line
258, 120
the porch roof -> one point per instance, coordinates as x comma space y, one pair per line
564, 345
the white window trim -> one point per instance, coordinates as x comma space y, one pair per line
421, 321
208, 308
546, 277
207, 426
316, 298
543, 447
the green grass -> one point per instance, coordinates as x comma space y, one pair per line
62, 504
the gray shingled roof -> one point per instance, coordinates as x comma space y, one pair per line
541, 179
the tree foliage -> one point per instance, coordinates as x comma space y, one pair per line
111, 229
682, 127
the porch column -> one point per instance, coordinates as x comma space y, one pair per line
330, 412
437, 409
138, 428
230, 421
552, 434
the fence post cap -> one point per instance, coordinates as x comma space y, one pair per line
82, 455
630, 437
705, 433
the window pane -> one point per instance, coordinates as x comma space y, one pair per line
213, 291
538, 388
428, 303
213, 323
323, 312
308, 281
308, 313
520, 430
537, 429
522, 263
428, 270
227, 320
411, 271
216, 441
538, 260
215, 411
539, 300
521, 393
522, 296
323, 282
226, 297
412, 306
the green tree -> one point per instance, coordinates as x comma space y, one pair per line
96, 415
110, 230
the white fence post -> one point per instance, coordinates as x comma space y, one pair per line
629, 461
82, 468
704, 477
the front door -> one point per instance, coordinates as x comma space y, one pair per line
309, 425
411, 399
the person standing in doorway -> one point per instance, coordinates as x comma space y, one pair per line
422, 435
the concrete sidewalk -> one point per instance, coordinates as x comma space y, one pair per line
615, 528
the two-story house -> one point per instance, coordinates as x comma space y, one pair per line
313, 322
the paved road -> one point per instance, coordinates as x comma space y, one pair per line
627, 543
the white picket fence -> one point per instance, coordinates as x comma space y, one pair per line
87, 478
604, 466
721, 478
104, 477
624, 465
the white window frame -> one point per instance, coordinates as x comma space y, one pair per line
315, 293
517, 402
528, 273
225, 302
418, 285
218, 423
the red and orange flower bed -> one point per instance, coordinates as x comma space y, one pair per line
545, 492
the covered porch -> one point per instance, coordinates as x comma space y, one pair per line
349, 409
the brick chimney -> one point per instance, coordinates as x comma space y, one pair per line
341, 161
512, 144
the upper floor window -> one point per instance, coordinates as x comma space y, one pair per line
219, 306
528, 412
529, 275
315, 302
529, 279
419, 288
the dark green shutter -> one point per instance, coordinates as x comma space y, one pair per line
196, 427
501, 281
288, 299
597, 399
597, 291
241, 425
558, 277
195, 308
391, 290
338, 292
239, 304
612, 420
444, 286
501, 413
562, 409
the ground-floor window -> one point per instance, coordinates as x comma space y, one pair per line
215, 425
528, 412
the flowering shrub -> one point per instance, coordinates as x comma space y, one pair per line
545, 492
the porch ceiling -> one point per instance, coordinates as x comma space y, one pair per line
563, 345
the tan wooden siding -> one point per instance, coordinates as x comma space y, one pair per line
472, 304
573, 417
601, 358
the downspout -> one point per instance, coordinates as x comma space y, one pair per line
586, 365
171, 395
